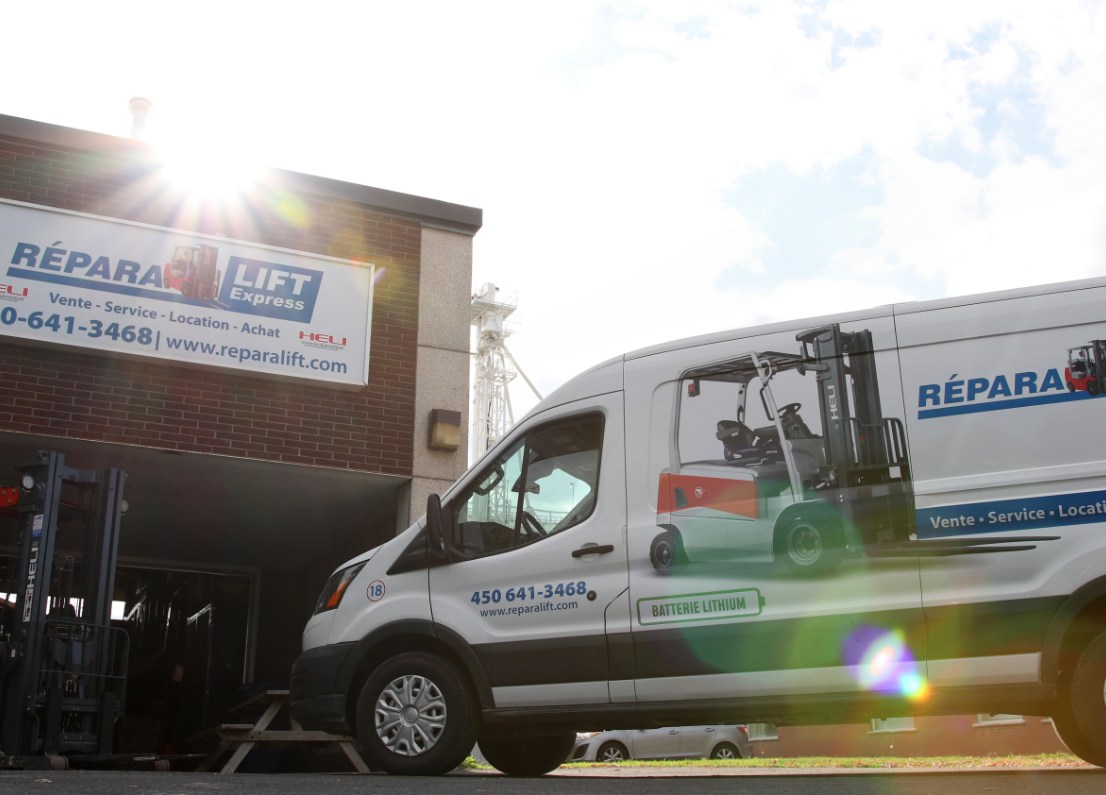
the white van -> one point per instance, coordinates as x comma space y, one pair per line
900, 511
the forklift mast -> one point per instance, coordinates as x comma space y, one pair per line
63, 669
861, 445
1098, 351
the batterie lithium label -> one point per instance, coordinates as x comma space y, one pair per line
708, 606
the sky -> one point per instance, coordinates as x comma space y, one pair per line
647, 169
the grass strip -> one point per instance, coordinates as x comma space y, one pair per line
860, 762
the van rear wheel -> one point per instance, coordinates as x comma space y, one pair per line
1063, 723
1081, 723
416, 716
526, 754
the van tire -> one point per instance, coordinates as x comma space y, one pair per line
1063, 723
1086, 693
809, 541
667, 551
526, 754
416, 716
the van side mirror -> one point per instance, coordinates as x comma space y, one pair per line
435, 522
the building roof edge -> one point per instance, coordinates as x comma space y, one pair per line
432, 212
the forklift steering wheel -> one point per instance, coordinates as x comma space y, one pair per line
789, 410
531, 525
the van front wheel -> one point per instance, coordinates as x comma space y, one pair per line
416, 716
1082, 722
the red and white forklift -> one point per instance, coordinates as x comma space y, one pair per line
1085, 371
780, 490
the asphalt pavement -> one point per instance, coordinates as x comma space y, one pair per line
613, 780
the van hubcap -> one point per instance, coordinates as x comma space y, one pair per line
410, 715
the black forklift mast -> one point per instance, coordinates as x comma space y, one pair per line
1098, 351
861, 445
63, 670
826, 348
865, 451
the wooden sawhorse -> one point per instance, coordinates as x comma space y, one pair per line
244, 737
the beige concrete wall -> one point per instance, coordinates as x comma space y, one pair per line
442, 367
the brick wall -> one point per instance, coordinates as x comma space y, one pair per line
82, 395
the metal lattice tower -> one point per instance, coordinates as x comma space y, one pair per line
492, 416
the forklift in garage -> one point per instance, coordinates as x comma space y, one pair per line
62, 664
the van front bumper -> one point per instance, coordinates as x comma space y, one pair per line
318, 697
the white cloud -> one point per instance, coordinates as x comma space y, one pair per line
608, 142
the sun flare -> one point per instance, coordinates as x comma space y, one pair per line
205, 169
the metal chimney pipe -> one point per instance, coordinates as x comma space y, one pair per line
140, 110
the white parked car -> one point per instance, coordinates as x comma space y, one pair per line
715, 742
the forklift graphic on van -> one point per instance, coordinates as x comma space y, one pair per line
1085, 371
782, 491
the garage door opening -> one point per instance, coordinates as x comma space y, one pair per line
189, 652
189, 645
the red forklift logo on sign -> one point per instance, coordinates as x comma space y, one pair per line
192, 271
1086, 370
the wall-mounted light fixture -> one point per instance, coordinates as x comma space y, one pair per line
445, 429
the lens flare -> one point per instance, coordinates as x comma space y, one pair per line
291, 209
884, 664
914, 686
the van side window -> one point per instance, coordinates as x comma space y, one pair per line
543, 484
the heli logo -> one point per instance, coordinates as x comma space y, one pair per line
831, 401
8, 289
32, 576
699, 492
322, 339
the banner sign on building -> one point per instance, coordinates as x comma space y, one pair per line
111, 285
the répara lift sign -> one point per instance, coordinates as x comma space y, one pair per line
80, 280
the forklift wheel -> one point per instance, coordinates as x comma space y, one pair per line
809, 541
666, 552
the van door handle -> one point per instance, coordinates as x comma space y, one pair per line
592, 549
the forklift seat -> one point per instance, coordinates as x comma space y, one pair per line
741, 441
735, 433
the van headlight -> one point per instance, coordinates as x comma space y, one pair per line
336, 586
